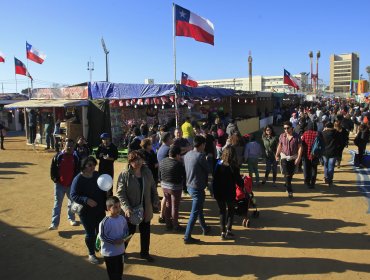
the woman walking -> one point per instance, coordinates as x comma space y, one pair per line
270, 142
85, 191
226, 176
360, 141
344, 137
136, 187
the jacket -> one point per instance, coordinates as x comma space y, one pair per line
270, 145
332, 142
129, 193
55, 162
225, 181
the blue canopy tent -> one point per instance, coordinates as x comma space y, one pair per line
105, 90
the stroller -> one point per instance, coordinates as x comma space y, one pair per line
244, 200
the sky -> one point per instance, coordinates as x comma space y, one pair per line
139, 37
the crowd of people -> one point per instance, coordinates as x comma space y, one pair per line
188, 160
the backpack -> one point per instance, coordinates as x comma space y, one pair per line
318, 147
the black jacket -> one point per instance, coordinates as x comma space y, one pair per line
332, 142
54, 168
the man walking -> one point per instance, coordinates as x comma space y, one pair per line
290, 152
196, 168
64, 167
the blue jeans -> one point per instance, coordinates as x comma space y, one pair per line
59, 192
198, 197
271, 164
49, 140
329, 164
253, 168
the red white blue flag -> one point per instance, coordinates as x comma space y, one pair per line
20, 68
34, 54
187, 80
191, 25
289, 80
2, 57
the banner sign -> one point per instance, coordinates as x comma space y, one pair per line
80, 92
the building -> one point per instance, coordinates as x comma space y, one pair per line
344, 68
259, 83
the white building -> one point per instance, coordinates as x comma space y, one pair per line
259, 83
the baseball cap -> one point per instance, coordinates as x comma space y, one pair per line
104, 136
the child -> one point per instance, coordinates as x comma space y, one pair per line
113, 231
252, 152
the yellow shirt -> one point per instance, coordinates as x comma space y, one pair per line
187, 130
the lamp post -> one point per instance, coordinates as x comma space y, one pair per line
106, 51
90, 68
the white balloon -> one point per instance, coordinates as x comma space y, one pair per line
105, 182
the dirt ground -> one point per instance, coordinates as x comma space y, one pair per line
323, 233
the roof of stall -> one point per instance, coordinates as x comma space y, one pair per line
105, 90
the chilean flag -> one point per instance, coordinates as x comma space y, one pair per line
187, 80
34, 54
191, 25
2, 57
289, 80
20, 68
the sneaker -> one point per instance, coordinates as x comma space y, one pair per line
206, 230
223, 236
93, 259
73, 223
191, 240
147, 257
53, 227
290, 194
161, 220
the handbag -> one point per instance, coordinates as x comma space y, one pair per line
76, 207
137, 215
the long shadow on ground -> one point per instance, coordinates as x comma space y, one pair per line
39, 260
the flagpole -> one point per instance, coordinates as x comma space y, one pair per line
16, 86
174, 63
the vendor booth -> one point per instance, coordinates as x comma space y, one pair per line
64, 109
13, 119
155, 104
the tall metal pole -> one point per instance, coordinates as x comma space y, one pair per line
174, 62
90, 68
310, 54
106, 51
106, 67
250, 60
318, 54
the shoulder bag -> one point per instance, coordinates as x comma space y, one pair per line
137, 215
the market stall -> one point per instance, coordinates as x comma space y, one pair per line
155, 104
66, 106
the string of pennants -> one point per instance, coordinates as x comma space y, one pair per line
170, 100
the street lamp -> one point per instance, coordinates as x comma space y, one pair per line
106, 51
90, 68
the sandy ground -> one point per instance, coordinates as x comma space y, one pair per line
322, 233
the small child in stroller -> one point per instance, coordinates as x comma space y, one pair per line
244, 200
